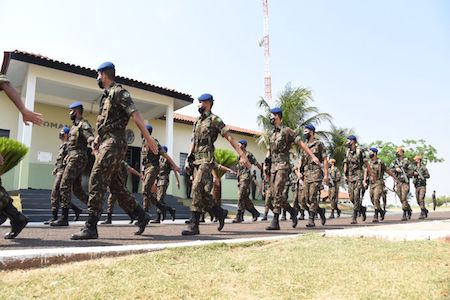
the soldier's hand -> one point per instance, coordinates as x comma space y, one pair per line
398, 170
315, 160
326, 180
244, 161
96, 143
365, 185
30, 116
152, 146
141, 176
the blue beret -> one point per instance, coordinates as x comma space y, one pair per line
65, 130
106, 66
310, 127
75, 105
352, 138
206, 97
374, 150
164, 148
243, 142
276, 110
149, 128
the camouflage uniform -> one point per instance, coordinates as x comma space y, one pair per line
116, 107
355, 161
59, 169
420, 183
151, 171
335, 179
122, 179
402, 187
378, 168
162, 185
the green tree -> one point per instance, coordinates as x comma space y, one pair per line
297, 112
226, 158
336, 140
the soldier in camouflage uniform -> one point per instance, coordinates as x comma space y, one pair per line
354, 163
122, 178
151, 164
162, 184
281, 139
80, 137
314, 175
267, 196
335, 180
205, 131
216, 189
244, 181
116, 108
7, 209
402, 170
376, 178
420, 176
298, 193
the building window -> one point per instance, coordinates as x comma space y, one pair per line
183, 157
4, 133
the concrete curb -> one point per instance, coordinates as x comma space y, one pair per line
32, 258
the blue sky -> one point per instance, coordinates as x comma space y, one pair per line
380, 67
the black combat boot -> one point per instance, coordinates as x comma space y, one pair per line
274, 224
404, 217
108, 219
63, 220
311, 219
293, 212
264, 218
53, 218
422, 214
77, 211
18, 221
193, 228
363, 213
302, 214
157, 220
142, 219
354, 216
172, 212
323, 218
238, 218
89, 231
255, 213
202, 217
225, 213
375, 216
332, 214
338, 211
283, 215
220, 215
3, 218
382, 214
426, 212
409, 212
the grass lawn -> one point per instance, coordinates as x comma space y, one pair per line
308, 267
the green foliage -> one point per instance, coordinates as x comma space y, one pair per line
336, 147
226, 158
386, 151
439, 200
12, 152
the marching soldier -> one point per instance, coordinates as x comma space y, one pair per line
335, 179
298, 194
116, 108
281, 139
402, 171
314, 175
354, 175
420, 176
245, 177
162, 184
205, 131
376, 178
265, 191
80, 137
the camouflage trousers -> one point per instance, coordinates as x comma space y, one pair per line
71, 180
161, 193
244, 201
150, 176
55, 197
334, 195
201, 188
112, 198
268, 200
278, 181
402, 191
354, 192
420, 196
310, 197
106, 173
376, 191
5, 199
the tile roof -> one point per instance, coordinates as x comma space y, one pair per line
44, 61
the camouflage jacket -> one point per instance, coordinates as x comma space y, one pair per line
81, 133
420, 179
62, 153
116, 107
405, 170
335, 176
148, 157
280, 142
378, 168
242, 171
313, 171
164, 171
355, 162
204, 133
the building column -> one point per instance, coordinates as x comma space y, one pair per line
169, 129
24, 132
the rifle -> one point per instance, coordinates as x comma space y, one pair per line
399, 164
418, 172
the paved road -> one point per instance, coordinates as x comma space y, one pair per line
37, 235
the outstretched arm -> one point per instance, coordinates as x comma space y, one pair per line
27, 115
171, 162
140, 124
134, 172
305, 148
243, 157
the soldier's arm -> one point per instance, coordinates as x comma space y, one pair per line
243, 157
137, 118
88, 134
133, 171
326, 179
172, 164
177, 178
305, 148
425, 173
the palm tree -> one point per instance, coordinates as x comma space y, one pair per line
226, 158
297, 112
337, 137
12, 153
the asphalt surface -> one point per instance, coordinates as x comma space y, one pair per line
37, 235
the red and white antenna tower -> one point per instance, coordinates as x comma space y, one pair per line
265, 44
